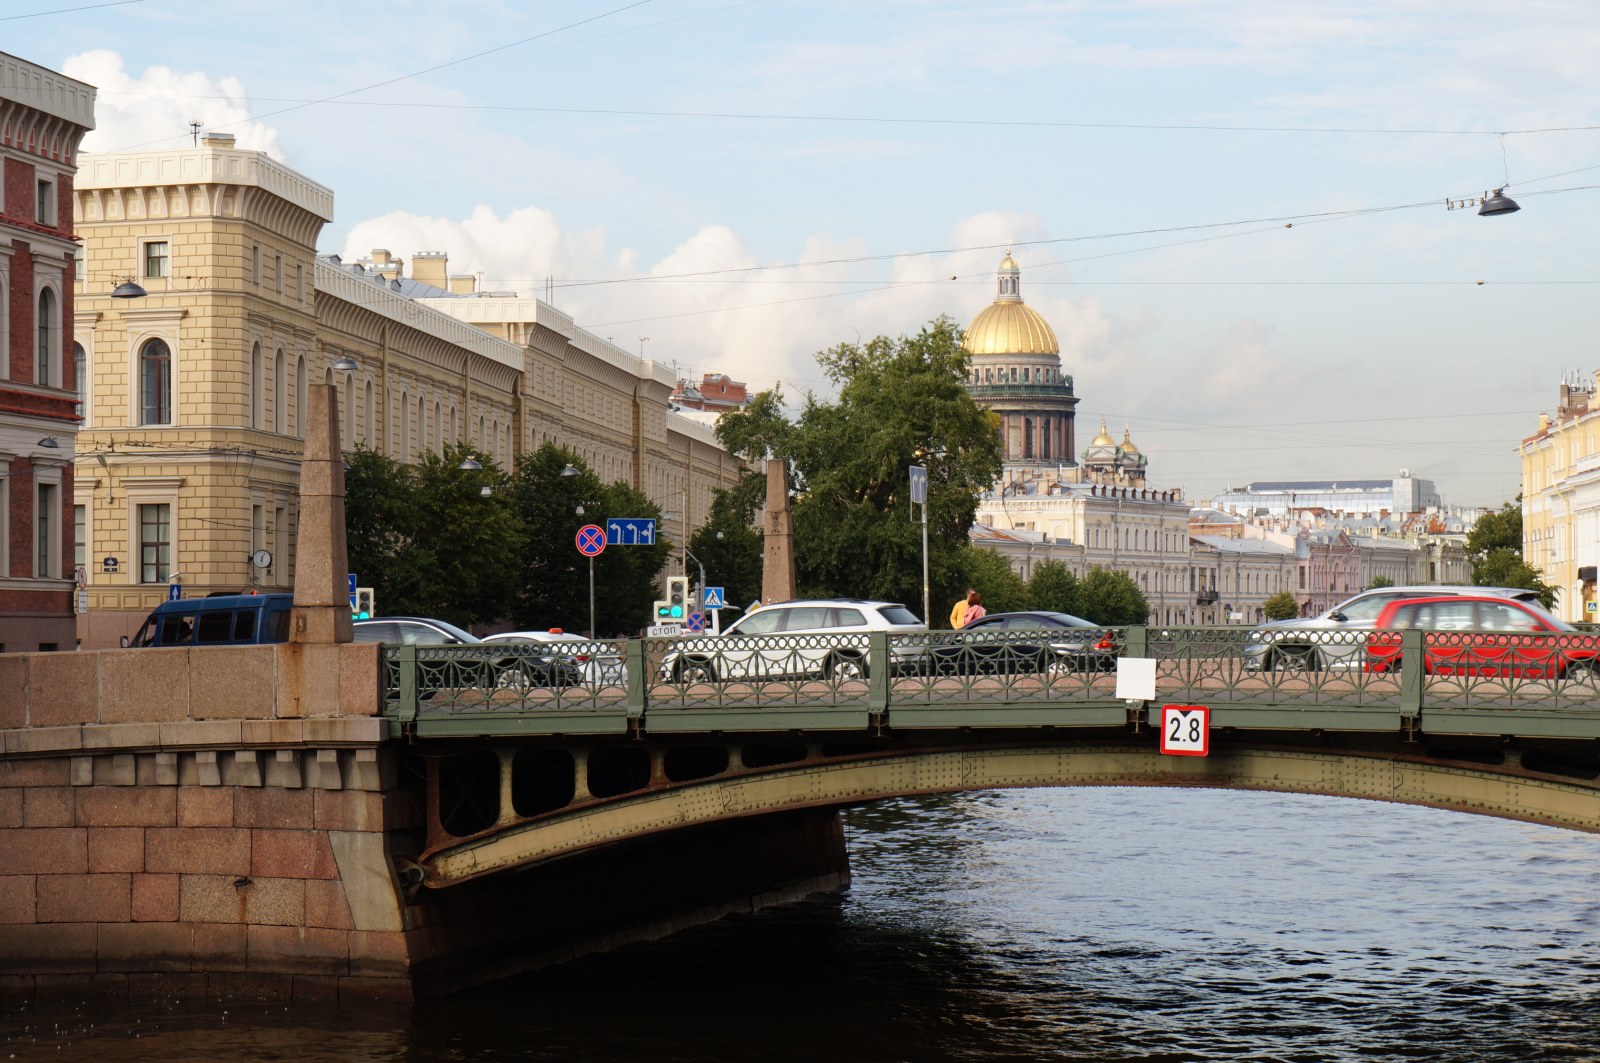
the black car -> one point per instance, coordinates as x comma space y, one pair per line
1019, 643
520, 668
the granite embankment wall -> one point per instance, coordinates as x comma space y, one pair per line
214, 821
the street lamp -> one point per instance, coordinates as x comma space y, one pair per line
345, 364
469, 465
128, 289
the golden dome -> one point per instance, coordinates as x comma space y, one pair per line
1010, 328
1127, 446
1104, 438
1008, 262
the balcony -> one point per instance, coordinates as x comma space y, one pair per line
1205, 598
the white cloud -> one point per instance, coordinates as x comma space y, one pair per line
154, 109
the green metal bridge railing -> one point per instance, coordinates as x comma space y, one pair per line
1472, 683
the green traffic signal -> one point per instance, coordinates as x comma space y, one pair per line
677, 611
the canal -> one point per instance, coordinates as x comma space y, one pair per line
1089, 924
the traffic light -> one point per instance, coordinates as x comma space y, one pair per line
677, 597
663, 610
363, 607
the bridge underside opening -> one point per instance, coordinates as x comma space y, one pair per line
1554, 786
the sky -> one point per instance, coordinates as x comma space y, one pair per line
1232, 213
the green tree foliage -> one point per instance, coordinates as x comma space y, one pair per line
1495, 545
1281, 606
901, 403
1112, 599
427, 539
728, 543
992, 576
1054, 588
552, 578
1381, 581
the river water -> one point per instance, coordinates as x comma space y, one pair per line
1101, 925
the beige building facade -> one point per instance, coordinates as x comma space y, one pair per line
188, 465
1561, 498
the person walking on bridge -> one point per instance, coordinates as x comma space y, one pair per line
958, 612
975, 610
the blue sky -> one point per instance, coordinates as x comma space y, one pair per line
1343, 346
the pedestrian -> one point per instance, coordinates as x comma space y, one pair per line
975, 609
958, 612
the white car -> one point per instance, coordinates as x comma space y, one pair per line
824, 637
600, 663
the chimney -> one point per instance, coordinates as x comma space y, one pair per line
428, 267
463, 284
217, 140
385, 264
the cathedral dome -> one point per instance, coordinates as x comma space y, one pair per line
1007, 326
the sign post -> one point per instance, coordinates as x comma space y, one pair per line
919, 497
591, 541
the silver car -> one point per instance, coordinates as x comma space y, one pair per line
824, 637
1337, 638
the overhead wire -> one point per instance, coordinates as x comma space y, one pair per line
69, 10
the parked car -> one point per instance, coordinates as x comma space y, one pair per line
826, 637
994, 645
519, 669
599, 663
1336, 638
216, 620
1480, 635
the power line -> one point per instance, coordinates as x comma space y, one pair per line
69, 10
418, 73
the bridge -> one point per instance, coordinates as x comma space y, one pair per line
679, 733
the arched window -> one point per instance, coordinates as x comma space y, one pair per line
49, 326
300, 396
403, 449
80, 380
280, 387
256, 396
422, 427
372, 425
454, 438
155, 382
438, 427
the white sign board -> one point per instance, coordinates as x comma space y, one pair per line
1185, 730
664, 631
919, 485
1136, 678
83, 601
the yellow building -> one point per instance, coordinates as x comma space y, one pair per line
189, 457
1561, 499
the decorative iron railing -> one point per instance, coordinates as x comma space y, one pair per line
703, 683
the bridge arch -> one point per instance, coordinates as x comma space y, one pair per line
1508, 789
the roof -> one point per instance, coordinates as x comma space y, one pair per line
1316, 485
1229, 545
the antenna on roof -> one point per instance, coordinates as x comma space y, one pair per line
194, 131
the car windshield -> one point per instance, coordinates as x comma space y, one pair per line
1057, 620
464, 636
898, 614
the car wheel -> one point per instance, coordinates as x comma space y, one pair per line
846, 668
696, 671
1296, 659
512, 677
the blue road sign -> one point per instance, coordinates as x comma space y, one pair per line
713, 598
352, 584
631, 531
353, 606
174, 592
591, 540
695, 622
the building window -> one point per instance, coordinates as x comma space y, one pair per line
371, 410
255, 264
80, 536
300, 396
155, 382
45, 213
45, 518
299, 283
280, 544
49, 333
157, 258
155, 542
277, 272
256, 383
80, 380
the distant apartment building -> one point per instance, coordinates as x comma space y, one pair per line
43, 117
715, 393
1561, 498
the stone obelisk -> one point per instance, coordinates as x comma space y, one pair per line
777, 567
321, 580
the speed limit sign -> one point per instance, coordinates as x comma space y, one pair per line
1186, 730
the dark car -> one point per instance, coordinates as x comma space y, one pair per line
515, 667
1017, 643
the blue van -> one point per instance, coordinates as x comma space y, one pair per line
220, 620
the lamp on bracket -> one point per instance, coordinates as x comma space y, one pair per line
1489, 205
345, 364
129, 289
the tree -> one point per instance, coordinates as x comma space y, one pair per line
993, 577
901, 402
377, 518
466, 546
1281, 606
1495, 546
1380, 581
728, 543
1112, 599
1054, 588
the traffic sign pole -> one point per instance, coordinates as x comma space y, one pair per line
919, 493
591, 541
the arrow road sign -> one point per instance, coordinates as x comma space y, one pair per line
713, 598
630, 531
919, 485
591, 540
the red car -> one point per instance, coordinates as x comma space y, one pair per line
1473, 635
